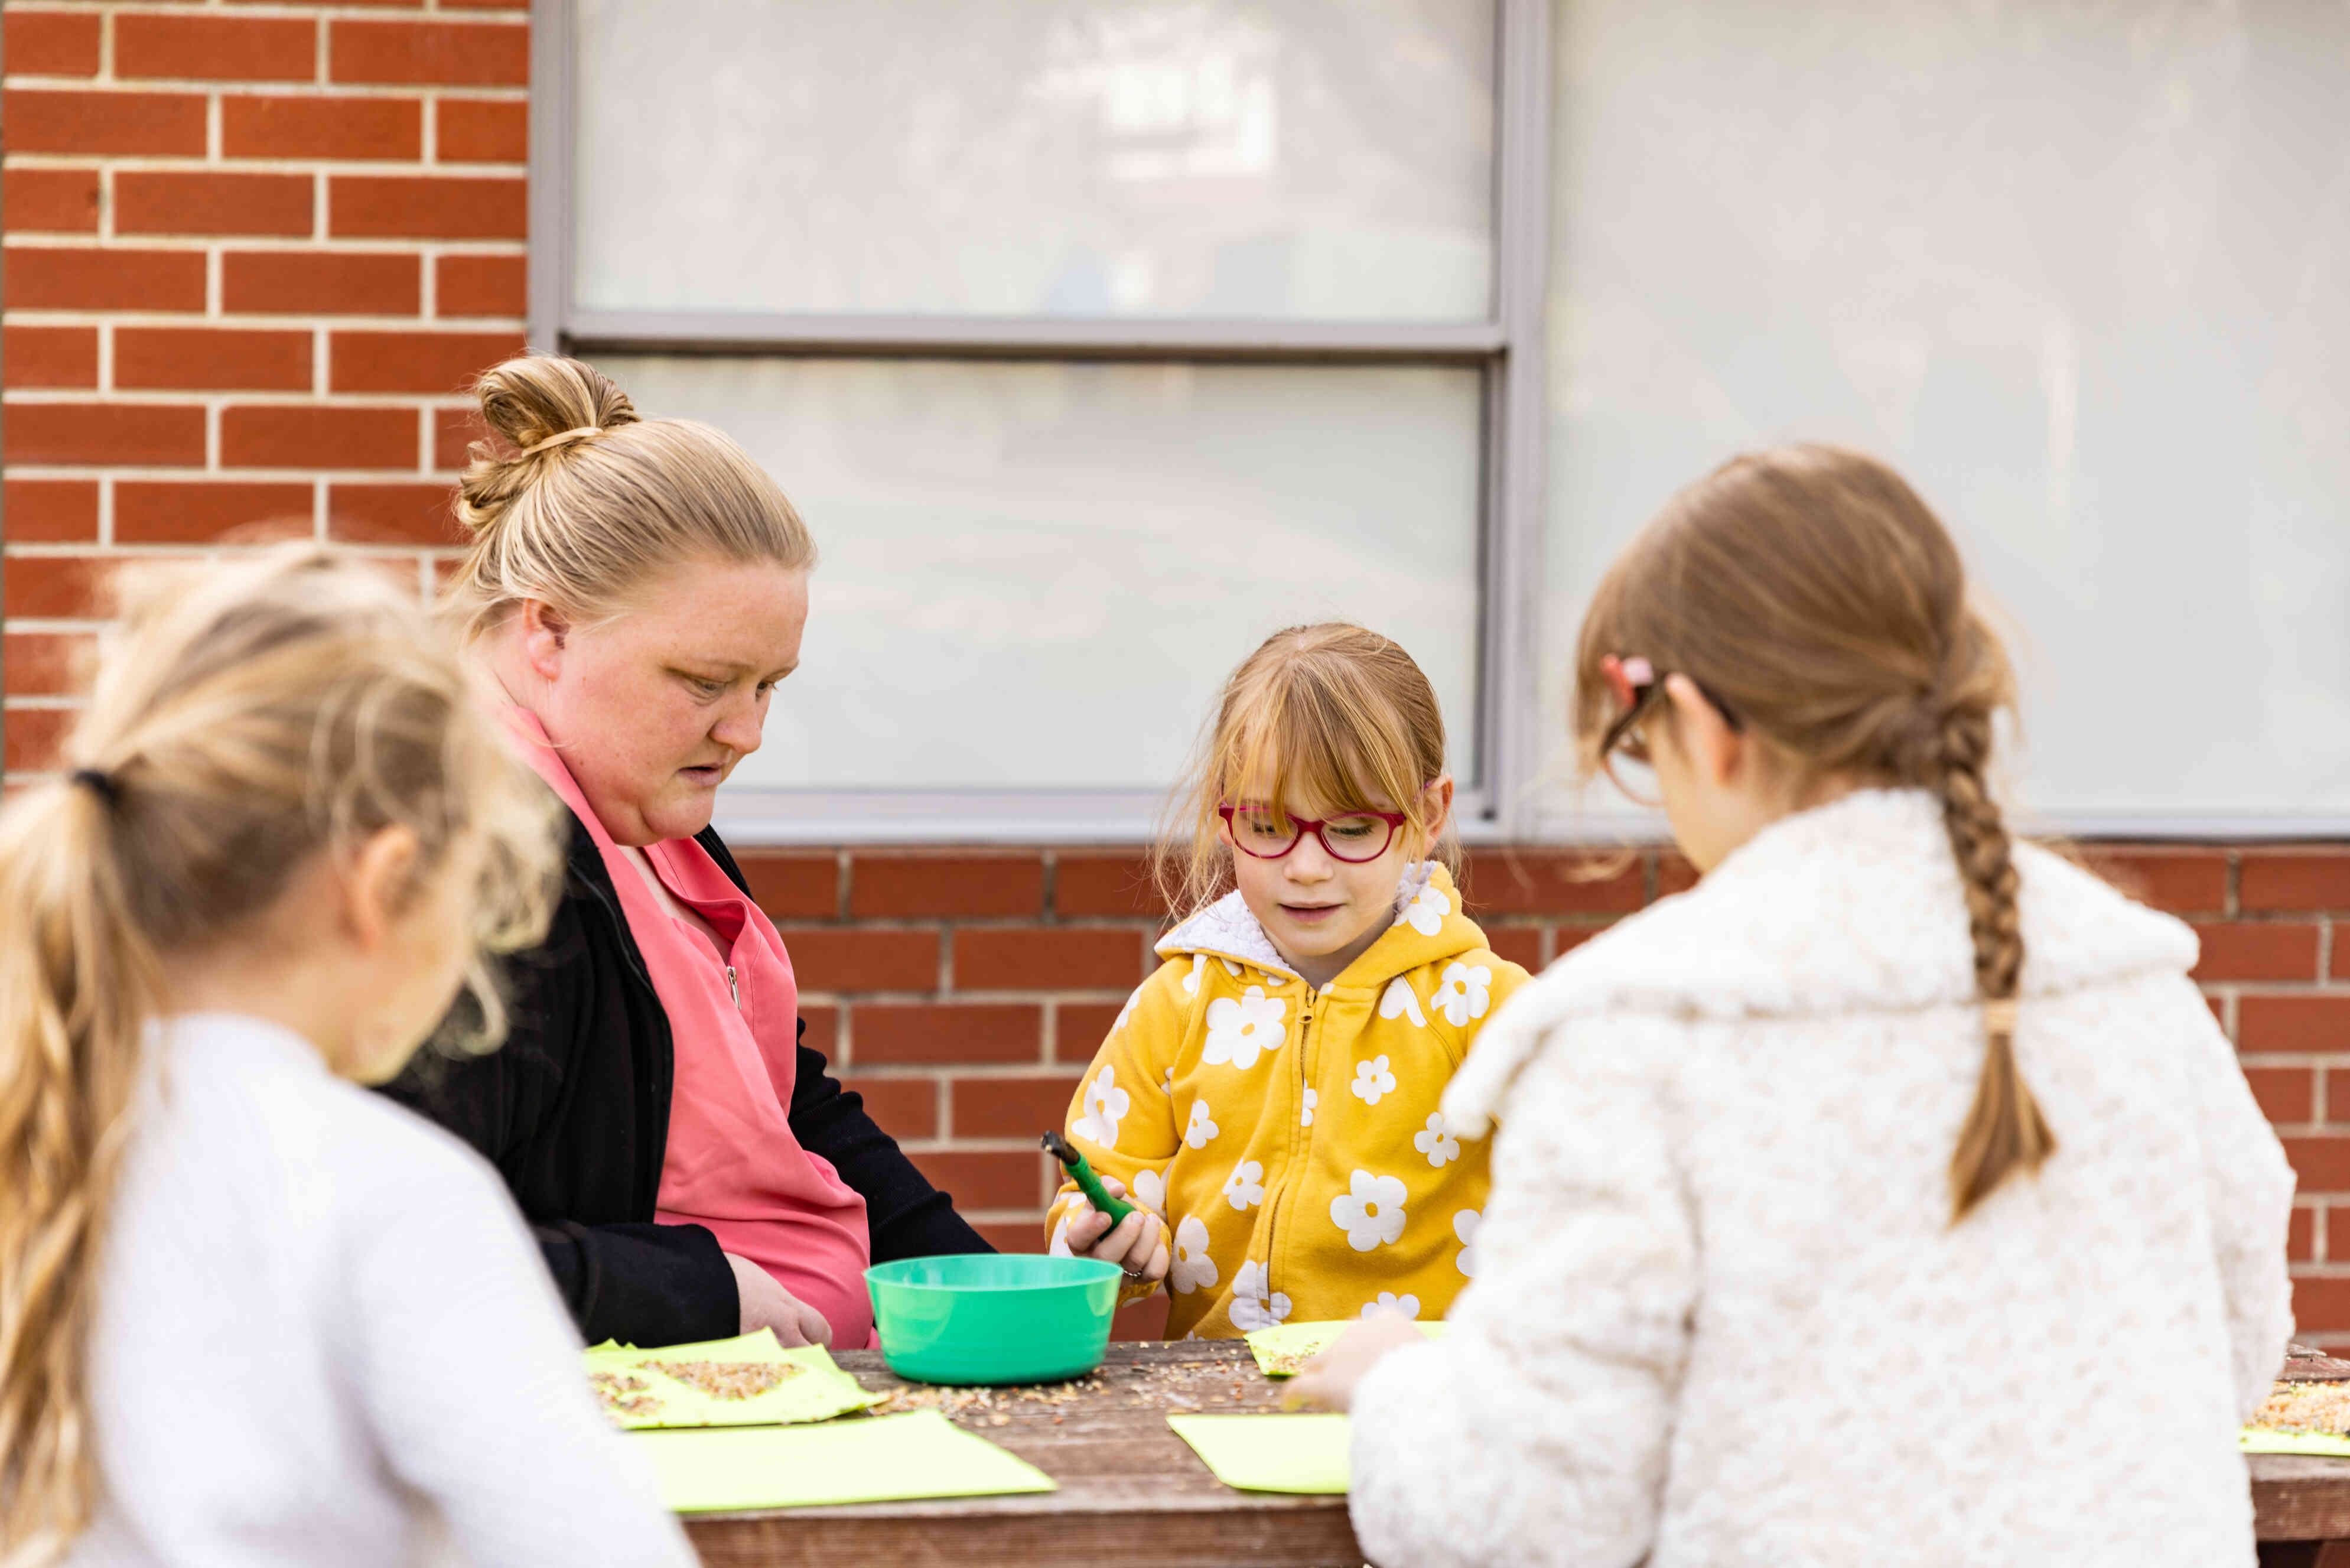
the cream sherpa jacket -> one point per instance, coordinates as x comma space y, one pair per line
1720, 1316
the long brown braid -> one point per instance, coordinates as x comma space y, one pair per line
2004, 1128
1815, 594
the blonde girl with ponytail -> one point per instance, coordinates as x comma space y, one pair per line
249, 1313
1822, 1189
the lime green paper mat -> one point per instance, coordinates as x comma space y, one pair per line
637, 1393
1280, 1351
886, 1459
2254, 1440
1270, 1453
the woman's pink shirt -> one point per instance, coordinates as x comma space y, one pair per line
733, 1163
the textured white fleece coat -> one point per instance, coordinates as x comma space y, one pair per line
1718, 1314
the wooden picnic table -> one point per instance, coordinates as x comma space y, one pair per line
1133, 1494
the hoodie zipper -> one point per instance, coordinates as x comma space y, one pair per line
1301, 1141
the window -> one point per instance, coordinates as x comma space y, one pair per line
1097, 340
2076, 271
999, 158
1096, 343
1044, 565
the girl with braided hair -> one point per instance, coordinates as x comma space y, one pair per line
1820, 1188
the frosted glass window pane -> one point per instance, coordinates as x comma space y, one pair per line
2076, 270
1037, 575
1279, 158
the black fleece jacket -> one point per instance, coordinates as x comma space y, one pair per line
573, 1110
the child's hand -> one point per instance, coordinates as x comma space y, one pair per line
1328, 1380
1138, 1245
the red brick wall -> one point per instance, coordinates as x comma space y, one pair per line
254, 253
963, 990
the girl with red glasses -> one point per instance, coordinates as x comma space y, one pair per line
1269, 1098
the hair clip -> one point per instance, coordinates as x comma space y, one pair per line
1625, 677
1999, 1017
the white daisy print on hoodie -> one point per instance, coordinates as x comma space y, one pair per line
1426, 912
1190, 1269
1464, 993
1106, 1107
1254, 1306
1241, 1029
1464, 1230
1440, 1147
1400, 1000
1370, 1211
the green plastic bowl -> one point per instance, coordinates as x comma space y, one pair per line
988, 1317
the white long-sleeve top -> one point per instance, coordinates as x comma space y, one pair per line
323, 1337
1719, 1314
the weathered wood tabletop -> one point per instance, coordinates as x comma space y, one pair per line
1132, 1493
2299, 1504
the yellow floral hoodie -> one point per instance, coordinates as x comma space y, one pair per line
1290, 1137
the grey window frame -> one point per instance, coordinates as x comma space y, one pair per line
1507, 348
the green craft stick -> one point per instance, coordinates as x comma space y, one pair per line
1087, 1182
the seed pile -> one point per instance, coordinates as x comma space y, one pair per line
2306, 1407
622, 1394
1166, 1385
728, 1379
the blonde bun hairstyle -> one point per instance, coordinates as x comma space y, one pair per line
579, 501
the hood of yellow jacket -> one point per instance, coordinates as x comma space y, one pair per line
1428, 925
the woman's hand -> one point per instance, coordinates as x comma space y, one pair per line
1138, 1245
766, 1304
1328, 1380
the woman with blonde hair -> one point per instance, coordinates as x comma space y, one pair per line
636, 591
1824, 1190
247, 1313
